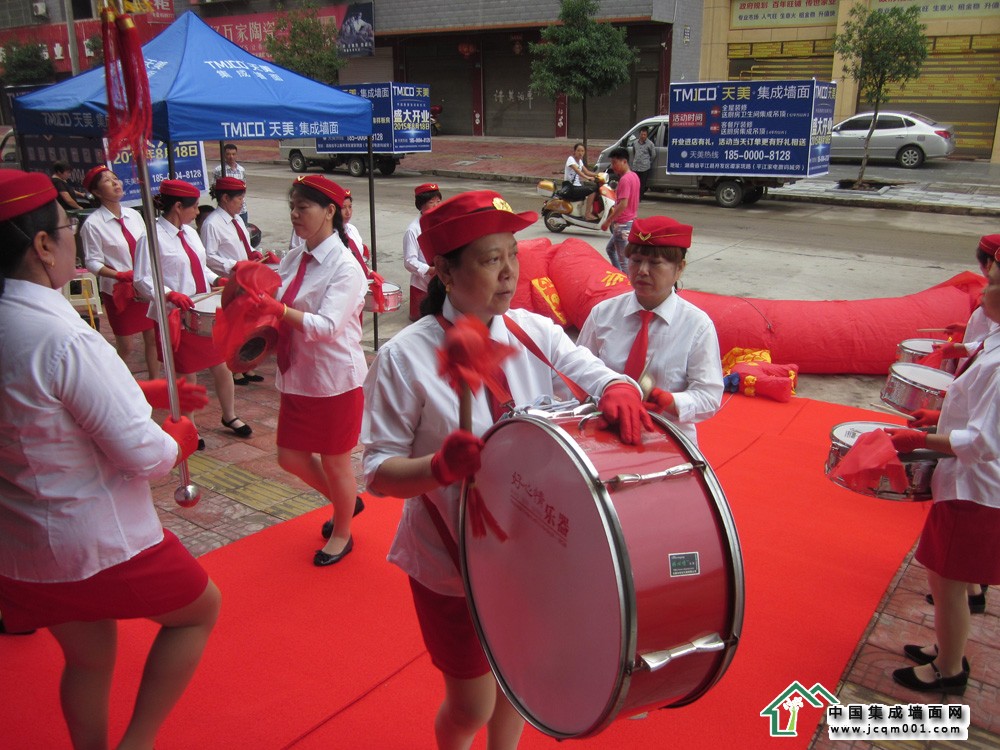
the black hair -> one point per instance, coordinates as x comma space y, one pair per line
60, 166
984, 258
576, 146
669, 254
18, 233
317, 196
422, 199
229, 147
433, 303
217, 194
618, 153
163, 203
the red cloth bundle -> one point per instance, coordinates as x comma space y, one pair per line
243, 334
471, 358
766, 379
123, 292
378, 297
871, 459
934, 359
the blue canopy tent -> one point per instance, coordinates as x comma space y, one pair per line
202, 87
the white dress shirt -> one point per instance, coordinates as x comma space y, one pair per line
970, 416
410, 409
174, 263
570, 174
326, 357
105, 245
413, 257
683, 352
223, 246
976, 330
77, 448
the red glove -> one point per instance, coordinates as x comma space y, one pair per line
124, 276
925, 418
271, 258
192, 395
956, 330
659, 400
952, 349
221, 281
621, 405
181, 301
255, 255
268, 305
186, 435
457, 458
907, 441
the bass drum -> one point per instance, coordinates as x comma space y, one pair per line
620, 586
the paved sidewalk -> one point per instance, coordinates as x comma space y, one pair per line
967, 188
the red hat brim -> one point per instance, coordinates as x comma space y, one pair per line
179, 189
23, 192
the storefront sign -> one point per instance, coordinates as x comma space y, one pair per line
756, 14
400, 120
932, 11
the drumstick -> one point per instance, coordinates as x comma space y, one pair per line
932, 330
206, 295
897, 412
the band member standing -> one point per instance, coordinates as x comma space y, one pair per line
81, 544
654, 332
425, 198
414, 449
109, 237
182, 261
321, 365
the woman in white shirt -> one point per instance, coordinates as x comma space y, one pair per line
185, 274
414, 449
321, 365
82, 545
109, 237
574, 172
425, 198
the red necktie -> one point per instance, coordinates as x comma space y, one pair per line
196, 270
284, 349
636, 361
358, 256
129, 239
243, 238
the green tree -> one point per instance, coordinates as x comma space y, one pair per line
580, 57
305, 44
26, 63
881, 48
95, 44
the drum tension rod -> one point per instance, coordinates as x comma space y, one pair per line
623, 480
659, 659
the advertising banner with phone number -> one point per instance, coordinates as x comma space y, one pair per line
189, 165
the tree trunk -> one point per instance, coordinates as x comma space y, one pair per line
868, 139
583, 107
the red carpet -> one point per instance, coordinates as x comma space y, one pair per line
332, 658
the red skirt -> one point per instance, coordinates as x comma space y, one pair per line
195, 353
960, 542
448, 632
158, 580
327, 425
129, 321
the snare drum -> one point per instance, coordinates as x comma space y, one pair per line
392, 298
620, 586
910, 387
918, 468
913, 350
201, 318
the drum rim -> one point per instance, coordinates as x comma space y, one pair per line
898, 375
197, 321
627, 594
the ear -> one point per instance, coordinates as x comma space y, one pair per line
42, 244
442, 269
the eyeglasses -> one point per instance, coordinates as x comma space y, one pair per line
73, 225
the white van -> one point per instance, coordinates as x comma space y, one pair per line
302, 154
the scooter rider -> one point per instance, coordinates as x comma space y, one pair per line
572, 188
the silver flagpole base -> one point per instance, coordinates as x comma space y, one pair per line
187, 495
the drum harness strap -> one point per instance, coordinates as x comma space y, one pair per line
500, 401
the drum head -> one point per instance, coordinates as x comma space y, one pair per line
928, 377
919, 346
549, 603
847, 433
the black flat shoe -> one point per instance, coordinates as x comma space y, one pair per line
254, 378
321, 559
244, 431
916, 653
201, 443
327, 530
977, 602
956, 685
242, 380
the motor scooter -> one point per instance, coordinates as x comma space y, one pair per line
436, 119
558, 212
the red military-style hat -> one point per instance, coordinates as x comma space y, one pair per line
230, 185
660, 231
327, 187
463, 218
179, 189
92, 175
990, 244
21, 192
427, 187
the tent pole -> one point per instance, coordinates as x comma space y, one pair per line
371, 215
170, 162
187, 493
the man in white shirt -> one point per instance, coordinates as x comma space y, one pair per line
425, 197
233, 169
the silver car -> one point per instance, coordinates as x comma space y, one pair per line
904, 137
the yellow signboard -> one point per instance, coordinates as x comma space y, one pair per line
756, 14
